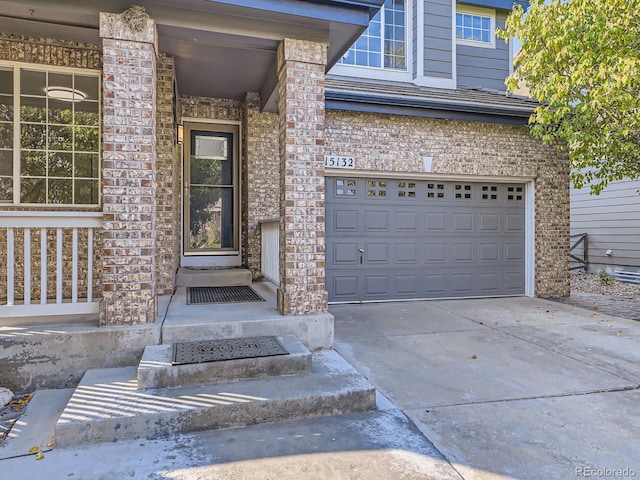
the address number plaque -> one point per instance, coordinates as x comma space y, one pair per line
336, 161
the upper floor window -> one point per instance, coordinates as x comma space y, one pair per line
475, 26
383, 43
49, 136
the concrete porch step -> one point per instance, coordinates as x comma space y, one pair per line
191, 277
156, 371
107, 406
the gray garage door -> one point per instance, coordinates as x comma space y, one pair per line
390, 239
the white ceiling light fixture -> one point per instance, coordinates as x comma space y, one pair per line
65, 94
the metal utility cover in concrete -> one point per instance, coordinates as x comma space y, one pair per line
390, 239
226, 349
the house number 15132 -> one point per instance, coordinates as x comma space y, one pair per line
335, 161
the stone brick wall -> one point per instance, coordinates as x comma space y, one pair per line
168, 191
128, 172
211, 108
260, 177
388, 143
51, 52
301, 67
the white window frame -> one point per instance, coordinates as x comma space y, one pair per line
17, 173
382, 73
478, 12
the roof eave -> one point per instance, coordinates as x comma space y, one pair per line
413, 106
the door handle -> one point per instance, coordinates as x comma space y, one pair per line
361, 250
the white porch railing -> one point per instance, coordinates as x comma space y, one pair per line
270, 232
59, 248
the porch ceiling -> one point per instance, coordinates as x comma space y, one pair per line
221, 48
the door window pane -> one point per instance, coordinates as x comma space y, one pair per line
211, 193
211, 147
211, 163
211, 217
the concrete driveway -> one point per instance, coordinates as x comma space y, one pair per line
506, 388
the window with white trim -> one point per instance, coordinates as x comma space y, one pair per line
49, 136
475, 26
383, 43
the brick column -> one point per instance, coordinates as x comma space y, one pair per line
168, 188
129, 168
301, 73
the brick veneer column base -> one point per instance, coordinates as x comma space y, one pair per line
301, 303
127, 310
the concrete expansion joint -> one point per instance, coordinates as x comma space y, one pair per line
627, 388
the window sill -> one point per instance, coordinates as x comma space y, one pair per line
371, 73
471, 43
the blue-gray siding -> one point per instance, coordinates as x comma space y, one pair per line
612, 222
484, 67
414, 23
437, 38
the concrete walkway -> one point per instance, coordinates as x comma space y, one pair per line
512, 388
506, 388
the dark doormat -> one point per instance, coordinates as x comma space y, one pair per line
227, 349
205, 295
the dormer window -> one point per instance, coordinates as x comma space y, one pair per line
383, 43
476, 26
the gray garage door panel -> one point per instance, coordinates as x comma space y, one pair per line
404, 239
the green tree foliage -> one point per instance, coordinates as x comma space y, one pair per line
581, 60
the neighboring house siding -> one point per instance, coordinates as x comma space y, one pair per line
438, 43
386, 143
484, 67
414, 40
612, 222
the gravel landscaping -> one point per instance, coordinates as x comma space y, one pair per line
619, 299
589, 283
